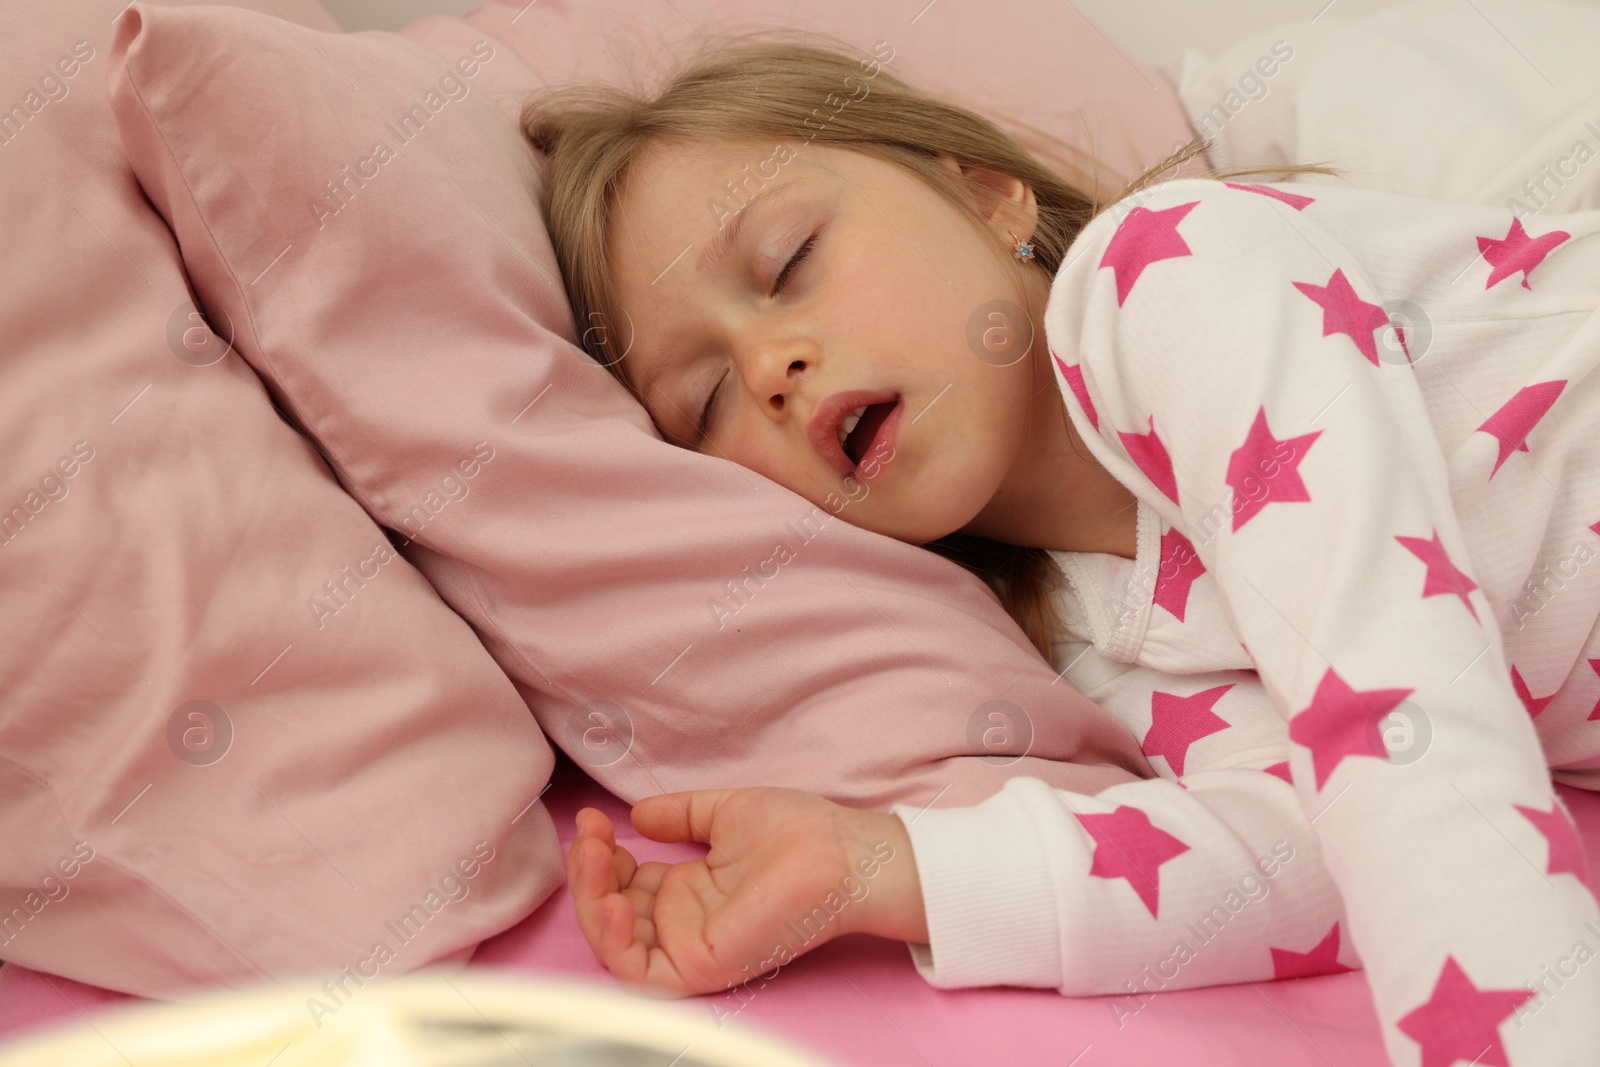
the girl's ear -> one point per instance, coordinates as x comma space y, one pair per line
1007, 202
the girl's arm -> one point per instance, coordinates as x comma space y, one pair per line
1025, 888
1217, 345
1154, 885
1207, 877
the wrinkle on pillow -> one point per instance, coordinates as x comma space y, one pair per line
414, 326
201, 780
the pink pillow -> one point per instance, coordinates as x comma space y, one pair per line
1023, 63
201, 781
657, 609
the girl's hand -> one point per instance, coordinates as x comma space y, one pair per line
787, 871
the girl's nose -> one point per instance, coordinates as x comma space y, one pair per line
773, 373
794, 365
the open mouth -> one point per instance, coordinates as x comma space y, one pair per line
861, 426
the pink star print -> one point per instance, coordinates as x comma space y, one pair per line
1461, 1021
1258, 460
1127, 846
1282, 771
1150, 455
1294, 200
1345, 312
1517, 251
1342, 722
1534, 704
1594, 665
1180, 566
1566, 851
1323, 959
1518, 416
1143, 238
1443, 577
1177, 722
1074, 377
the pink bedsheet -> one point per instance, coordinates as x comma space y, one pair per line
859, 1001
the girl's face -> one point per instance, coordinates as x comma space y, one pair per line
892, 303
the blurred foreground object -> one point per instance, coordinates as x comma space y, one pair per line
418, 1020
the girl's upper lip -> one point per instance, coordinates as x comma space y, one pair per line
823, 429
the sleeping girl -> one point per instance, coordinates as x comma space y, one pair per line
1298, 481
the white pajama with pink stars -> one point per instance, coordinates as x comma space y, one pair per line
1359, 635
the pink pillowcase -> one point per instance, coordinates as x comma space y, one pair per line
367, 218
1023, 63
203, 779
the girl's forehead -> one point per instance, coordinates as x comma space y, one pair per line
662, 179
680, 192
680, 155
713, 166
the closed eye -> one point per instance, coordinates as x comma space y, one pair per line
800, 254
704, 426
705, 413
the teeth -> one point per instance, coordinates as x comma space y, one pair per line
849, 423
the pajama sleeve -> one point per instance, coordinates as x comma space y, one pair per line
1209, 878
1221, 351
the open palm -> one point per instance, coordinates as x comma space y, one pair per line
706, 924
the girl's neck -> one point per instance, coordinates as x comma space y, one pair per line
1056, 494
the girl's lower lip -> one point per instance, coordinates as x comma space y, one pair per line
880, 451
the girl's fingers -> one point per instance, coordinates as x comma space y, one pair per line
648, 875
616, 935
623, 867
572, 862
643, 903
593, 821
644, 932
592, 825
623, 954
580, 879
614, 898
591, 886
644, 918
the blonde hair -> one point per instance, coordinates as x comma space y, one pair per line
759, 89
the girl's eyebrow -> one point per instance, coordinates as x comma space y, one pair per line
725, 242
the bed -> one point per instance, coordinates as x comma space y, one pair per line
858, 1000
401, 607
